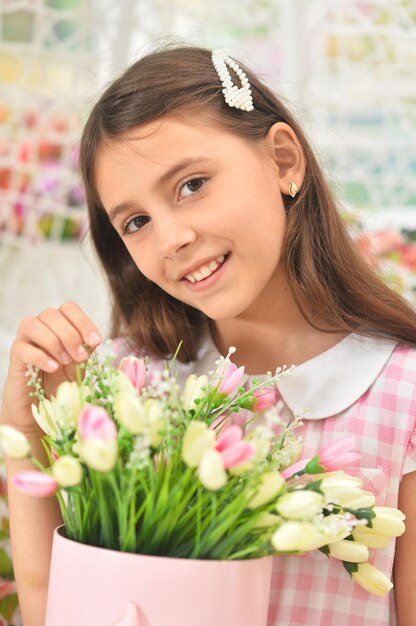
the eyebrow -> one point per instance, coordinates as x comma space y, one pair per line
162, 180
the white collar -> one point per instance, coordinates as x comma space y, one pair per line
328, 383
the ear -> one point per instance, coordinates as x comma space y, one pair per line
287, 154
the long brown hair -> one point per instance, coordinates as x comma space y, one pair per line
331, 282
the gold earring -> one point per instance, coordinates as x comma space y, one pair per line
293, 189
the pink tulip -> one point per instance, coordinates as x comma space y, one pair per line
264, 398
135, 370
338, 455
95, 423
334, 457
234, 451
231, 379
54, 455
35, 483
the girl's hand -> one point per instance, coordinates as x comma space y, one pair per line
54, 341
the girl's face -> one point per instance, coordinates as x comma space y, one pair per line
200, 212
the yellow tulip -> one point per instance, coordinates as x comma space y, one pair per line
297, 537
351, 551
67, 404
271, 484
197, 440
99, 454
67, 471
266, 520
368, 537
211, 470
300, 505
372, 580
193, 390
155, 421
388, 522
130, 411
14, 443
45, 416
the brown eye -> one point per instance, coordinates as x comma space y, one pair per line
191, 186
135, 224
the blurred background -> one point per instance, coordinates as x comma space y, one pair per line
345, 67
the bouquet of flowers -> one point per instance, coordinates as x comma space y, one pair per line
141, 466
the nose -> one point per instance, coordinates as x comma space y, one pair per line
173, 235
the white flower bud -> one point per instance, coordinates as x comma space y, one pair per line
14, 443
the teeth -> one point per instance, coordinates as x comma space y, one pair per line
205, 270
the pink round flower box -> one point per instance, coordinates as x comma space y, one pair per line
90, 586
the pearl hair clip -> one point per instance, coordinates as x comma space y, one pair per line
238, 97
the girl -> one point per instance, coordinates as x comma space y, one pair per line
215, 226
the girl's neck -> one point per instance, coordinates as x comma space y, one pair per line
272, 333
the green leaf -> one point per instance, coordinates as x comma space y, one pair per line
315, 486
6, 566
362, 513
350, 567
313, 467
8, 606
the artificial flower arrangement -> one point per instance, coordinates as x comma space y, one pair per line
141, 467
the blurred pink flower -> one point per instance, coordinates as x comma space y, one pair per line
234, 451
135, 370
264, 398
95, 423
229, 380
35, 483
334, 457
7, 587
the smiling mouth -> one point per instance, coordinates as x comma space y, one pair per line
206, 271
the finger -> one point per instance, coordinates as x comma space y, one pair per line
23, 354
33, 330
76, 316
69, 337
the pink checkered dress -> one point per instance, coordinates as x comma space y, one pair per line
312, 589
362, 387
